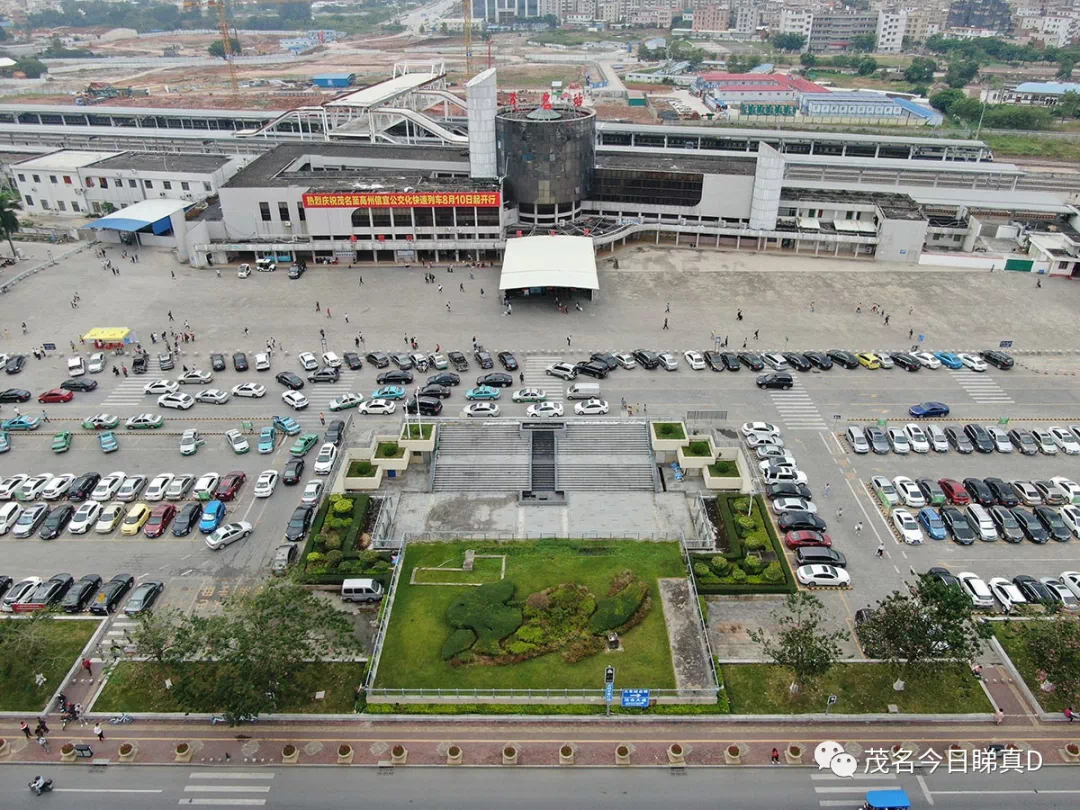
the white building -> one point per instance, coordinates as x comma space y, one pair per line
796, 21
51, 183
891, 30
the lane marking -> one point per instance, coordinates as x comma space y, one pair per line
226, 788
229, 775
223, 802
925, 790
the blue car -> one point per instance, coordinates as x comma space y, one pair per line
929, 409
212, 516
5, 443
482, 392
949, 360
108, 442
287, 425
389, 392
23, 422
267, 440
932, 523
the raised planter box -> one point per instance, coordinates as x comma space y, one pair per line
688, 462
671, 441
418, 445
739, 482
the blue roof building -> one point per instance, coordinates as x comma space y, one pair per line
333, 79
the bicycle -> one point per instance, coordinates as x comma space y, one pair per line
121, 719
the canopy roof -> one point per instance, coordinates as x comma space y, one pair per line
141, 215
549, 261
109, 334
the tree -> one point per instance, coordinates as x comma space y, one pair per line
443, 29
9, 220
921, 69
944, 100
158, 637
961, 73
788, 42
867, 66
217, 48
808, 59
864, 43
1065, 69
1068, 106
1054, 648
31, 67
802, 645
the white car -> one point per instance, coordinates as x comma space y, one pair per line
1064, 439
31, 516
905, 524
1070, 514
10, 486
856, 438
179, 487
545, 409
767, 451
161, 387
596, 407
565, 371
529, 395
669, 361
625, 360
694, 359
228, 534
295, 400
776, 361
99, 421
9, 516
262, 361
249, 390
97, 363
784, 475
885, 359
1046, 443
937, 438
237, 441
206, 485
143, 420
750, 428
214, 396
332, 360
1006, 593
1060, 593
85, 517
324, 462
244, 271
110, 516
308, 361
157, 488
926, 359
917, 438
438, 361
909, 492
56, 488
132, 486
1071, 580
1000, 438
758, 439
377, 406
108, 486
885, 491
266, 483
972, 362
312, 490
1069, 487
180, 402
76, 367
189, 442
33, 487
195, 377
481, 409
898, 440
774, 462
345, 401
781, 505
976, 589
813, 576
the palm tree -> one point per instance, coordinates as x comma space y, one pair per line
9, 220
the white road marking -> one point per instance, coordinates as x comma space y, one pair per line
224, 802
925, 790
106, 790
228, 775
226, 788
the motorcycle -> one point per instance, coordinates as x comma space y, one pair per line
39, 785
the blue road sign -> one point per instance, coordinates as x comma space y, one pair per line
635, 698
1005, 344
922, 338
609, 692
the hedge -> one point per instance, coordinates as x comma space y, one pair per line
739, 546
484, 611
615, 611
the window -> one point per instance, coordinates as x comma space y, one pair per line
60, 205
75, 207
148, 183
166, 184
185, 186
45, 204
207, 187
361, 218
104, 182
283, 212
22, 178
52, 179
37, 179
132, 184
264, 211
29, 200
67, 179
380, 218
301, 212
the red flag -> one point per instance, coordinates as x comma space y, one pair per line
578, 100
545, 101
513, 100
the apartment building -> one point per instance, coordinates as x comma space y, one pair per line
712, 17
992, 15
834, 31
891, 30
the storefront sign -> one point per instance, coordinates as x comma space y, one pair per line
479, 199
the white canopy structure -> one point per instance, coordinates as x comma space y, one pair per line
549, 261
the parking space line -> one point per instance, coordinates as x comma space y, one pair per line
867, 516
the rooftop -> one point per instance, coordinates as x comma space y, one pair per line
1049, 88
771, 81
165, 162
66, 159
892, 205
383, 92
692, 163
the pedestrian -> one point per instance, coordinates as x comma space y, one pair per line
825, 490
41, 724
858, 528
362, 279
756, 334
18, 413
738, 315
744, 343
858, 309
811, 306
1038, 283
407, 338
44, 416
125, 370
775, 758
509, 308
887, 320
88, 667
910, 334
1070, 715
346, 317
447, 306
667, 307
568, 340
881, 549
839, 512
322, 419
461, 287
100, 734
171, 318
328, 312
440, 288
316, 306
356, 342
246, 331
665, 323
44, 743
173, 272
25, 728
361, 336
481, 292
218, 271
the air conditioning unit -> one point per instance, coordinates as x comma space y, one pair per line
80, 191
161, 193
187, 196
286, 224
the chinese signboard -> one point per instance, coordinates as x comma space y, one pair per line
768, 109
480, 199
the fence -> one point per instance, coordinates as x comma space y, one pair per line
705, 534
507, 537
384, 622
381, 537
702, 624
37, 268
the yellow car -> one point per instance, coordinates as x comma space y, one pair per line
137, 515
868, 360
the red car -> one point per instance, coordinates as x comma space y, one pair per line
230, 485
159, 520
806, 538
56, 395
954, 491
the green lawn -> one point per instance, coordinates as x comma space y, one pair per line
138, 686
1016, 647
1033, 146
860, 689
418, 627
485, 569
63, 641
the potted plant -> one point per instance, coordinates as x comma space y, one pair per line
398, 754
1071, 752
183, 752
344, 754
67, 752
4, 750
733, 755
510, 755
676, 755
127, 752
566, 754
453, 755
793, 754
622, 754
290, 754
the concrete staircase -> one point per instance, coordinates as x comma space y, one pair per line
482, 456
605, 456
543, 461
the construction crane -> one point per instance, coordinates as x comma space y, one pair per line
223, 26
466, 12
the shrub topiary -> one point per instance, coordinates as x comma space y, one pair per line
773, 573
720, 565
459, 641
369, 558
315, 557
350, 567
333, 558
519, 647
738, 576
332, 543
745, 525
532, 633
752, 565
342, 506
484, 611
380, 567
616, 610
740, 505
755, 542
701, 569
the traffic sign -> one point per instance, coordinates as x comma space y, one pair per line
1005, 344
635, 698
836, 416
609, 692
49, 347
922, 338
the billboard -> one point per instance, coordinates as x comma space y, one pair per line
446, 199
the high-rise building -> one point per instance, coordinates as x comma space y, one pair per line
991, 15
834, 31
891, 30
712, 17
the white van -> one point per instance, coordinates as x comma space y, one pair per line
981, 523
76, 368
361, 590
262, 361
583, 391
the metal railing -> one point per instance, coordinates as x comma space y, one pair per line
382, 533
520, 695
703, 627
380, 636
705, 536
507, 537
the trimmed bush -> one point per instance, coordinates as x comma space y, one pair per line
755, 542
389, 450
738, 576
741, 505
752, 565
531, 633
744, 525
361, 469
616, 610
668, 430
332, 543
315, 557
697, 449
484, 611
333, 558
773, 573
720, 566
722, 468
342, 506
459, 641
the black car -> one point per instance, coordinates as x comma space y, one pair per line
57, 521
979, 491
592, 368
1003, 492
931, 490
297, 527
647, 359
944, 576
1006, 524
607, 359
509, 362
778, 379
186, 519
5, 583
217, 361
1052, 522
448, 378
140, 363
80, 384
294, 469
435, 390
165, 361
957, 525
240, 361
377, 359
426, 406
402, 360
15, 363
80, 593
394, 377
798, 361
958, 441
1031, 525
51, 590
458, 360
335, 432
878, 441
1033, 590
289, 380
819, 555
905, 361
819, 359
1023, 441
483, 358
14, 395
997, 359
752, 361
731, 361
715, 360
328, 374
106, 599
788, 489
800, 521
843, 358
979, 437
353, 361
297, 270
82, 486
496, 379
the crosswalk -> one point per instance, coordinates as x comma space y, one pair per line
536, 376
797, 410
981, 387
227, 788
834, 791
130, 392
119, 633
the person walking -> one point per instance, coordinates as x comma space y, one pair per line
44, 415
328, 312
881, 549
839, 512
356, 342
440, 288
756, 331
171, 318
25, 729
317, 307
43, 727
1070, 715
362, 280
858, 528
461, 287
738, 315
775, 757
322, 419
568, 340
100, 734
44, 743
825, 490
346, 317
667, 307
88, 667
447, 306
665, 323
